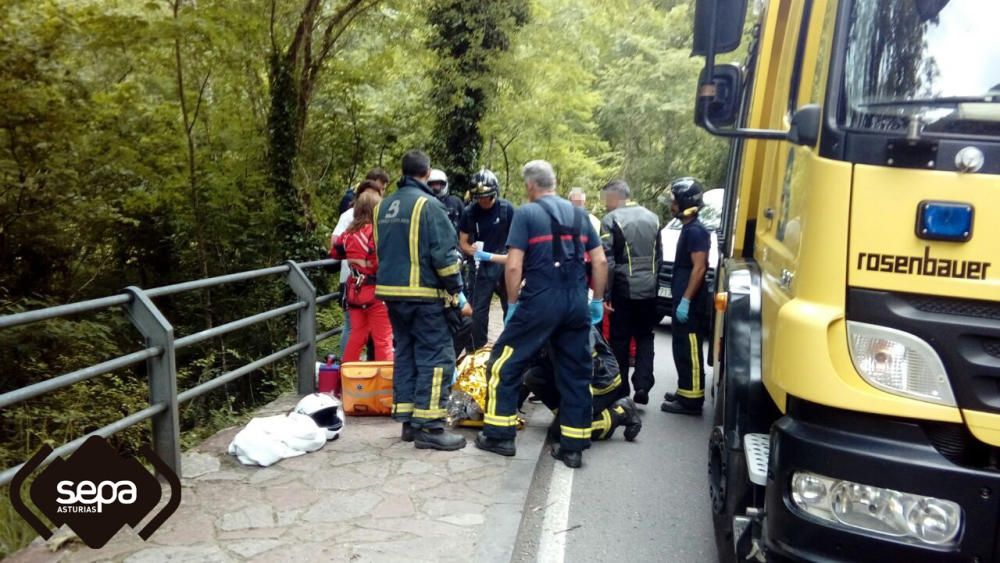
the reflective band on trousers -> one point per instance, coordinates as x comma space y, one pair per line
570, 432
402, 408
502, 421
611, 387
430, 413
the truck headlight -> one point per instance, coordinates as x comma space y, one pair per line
898, 362
913, 518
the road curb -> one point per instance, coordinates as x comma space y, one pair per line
503, 518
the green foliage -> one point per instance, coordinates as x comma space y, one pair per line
469, 36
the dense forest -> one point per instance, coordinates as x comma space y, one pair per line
145, 142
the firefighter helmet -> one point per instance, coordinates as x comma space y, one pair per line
687, 193
484, 184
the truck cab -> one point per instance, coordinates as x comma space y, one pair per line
857, 332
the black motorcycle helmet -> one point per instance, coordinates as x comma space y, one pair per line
484, 184
687, 193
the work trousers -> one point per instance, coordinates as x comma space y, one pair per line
559, 314
424, 364
369, 321
687, 344
606, 415
487, 281
634, 318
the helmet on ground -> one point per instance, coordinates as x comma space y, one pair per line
325, 411
484, 184
438, 182
687, 193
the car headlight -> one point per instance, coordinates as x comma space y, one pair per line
912, 518
899, 362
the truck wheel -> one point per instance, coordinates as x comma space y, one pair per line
729, 488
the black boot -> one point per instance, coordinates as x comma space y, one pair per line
572, 458
632, 422
502, 447
438, 439
642, 397
407, 434
677, 406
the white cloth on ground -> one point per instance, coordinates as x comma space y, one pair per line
270, 439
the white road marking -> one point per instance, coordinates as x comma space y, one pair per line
555, 524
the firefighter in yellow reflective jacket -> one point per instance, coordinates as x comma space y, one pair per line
418, 277
546, 246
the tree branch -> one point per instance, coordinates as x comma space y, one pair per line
197, 106
339, 23
305, 26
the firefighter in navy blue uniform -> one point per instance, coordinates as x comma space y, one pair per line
486, 220
418, 276
612, 406
546, 247
691, 300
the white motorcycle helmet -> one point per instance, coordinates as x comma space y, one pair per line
438, 182
325, 411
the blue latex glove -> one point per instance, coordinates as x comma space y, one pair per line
462, 301
683, 309
596, 311
511, 307
483, 256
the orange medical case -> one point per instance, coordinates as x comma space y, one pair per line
367, 388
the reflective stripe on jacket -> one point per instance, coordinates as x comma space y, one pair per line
631, 238
417, 257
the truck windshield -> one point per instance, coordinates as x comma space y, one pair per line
933, 60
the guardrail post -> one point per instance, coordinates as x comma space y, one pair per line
306, 325
162, 372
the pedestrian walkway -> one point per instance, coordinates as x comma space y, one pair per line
365, 497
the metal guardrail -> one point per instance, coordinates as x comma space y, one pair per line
160, 353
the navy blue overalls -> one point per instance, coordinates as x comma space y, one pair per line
552, 305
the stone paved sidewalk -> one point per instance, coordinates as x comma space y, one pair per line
365, 497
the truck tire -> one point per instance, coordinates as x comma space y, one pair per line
729, 486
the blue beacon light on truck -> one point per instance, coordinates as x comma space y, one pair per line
946, 221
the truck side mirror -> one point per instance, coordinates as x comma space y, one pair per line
724, 90
804, 130
721, 21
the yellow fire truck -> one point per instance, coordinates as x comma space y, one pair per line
857, 328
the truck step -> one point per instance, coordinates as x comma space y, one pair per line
757, 448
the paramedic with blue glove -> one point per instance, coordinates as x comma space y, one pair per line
546, 247
690, 319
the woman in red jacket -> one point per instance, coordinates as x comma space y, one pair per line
369, 316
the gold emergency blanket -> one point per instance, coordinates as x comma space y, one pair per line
468, 394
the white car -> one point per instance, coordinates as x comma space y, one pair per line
711, 217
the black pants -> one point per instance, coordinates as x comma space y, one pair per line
487, 281
562, 316
424, 363
634, 318
687, 344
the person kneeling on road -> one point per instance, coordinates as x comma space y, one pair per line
612, 406
547, 242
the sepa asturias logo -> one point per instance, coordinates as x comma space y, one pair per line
95, 492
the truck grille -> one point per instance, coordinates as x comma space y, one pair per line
949, 306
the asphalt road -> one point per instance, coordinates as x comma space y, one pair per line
641, 501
